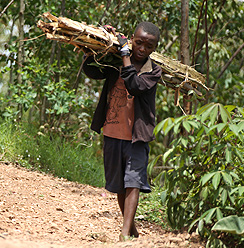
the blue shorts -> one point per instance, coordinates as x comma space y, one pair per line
125, 165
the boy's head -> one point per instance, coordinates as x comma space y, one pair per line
144, 40
149, 28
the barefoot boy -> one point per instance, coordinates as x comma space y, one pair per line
126, 112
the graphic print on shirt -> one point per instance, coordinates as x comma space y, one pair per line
117, 100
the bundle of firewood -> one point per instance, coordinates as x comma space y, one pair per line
96, 40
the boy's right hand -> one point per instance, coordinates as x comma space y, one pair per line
123, 43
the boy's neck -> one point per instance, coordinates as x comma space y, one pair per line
138, 64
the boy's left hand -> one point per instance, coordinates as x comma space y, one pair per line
110, 29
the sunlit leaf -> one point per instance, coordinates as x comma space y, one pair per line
219, 214
187, 126
207, 177
228, 154
163, 125
216, 180
210, 215
207, 112
231, 224
163, 196
227, 178
167, 153
224, 196
213, 115
234, 128
225, 115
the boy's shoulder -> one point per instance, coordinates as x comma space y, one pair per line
156, 67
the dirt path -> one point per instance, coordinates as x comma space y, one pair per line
41, 211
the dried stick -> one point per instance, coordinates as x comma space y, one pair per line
6, 8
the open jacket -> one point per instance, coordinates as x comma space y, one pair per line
141, 85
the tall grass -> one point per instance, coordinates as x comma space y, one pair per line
52, 154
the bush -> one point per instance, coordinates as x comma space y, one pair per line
205, 183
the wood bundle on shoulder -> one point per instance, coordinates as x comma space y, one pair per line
96, 40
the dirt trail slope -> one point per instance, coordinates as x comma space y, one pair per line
41, 211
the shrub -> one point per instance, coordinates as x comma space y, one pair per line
205, 183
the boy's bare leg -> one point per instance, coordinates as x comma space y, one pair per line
128, 204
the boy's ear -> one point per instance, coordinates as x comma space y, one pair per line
132, 36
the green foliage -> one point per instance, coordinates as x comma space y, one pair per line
205, 182
75, 161
150, 208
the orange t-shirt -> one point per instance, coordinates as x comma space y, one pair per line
120, 114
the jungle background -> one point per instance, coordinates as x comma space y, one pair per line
196, 160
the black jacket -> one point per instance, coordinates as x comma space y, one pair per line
141, 85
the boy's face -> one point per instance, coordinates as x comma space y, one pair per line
143, 44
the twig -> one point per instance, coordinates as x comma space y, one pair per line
230, 60
6, 8
34, 38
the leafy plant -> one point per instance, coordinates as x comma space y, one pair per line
150, 209
205, 182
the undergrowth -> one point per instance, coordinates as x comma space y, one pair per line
51, 153
151, 209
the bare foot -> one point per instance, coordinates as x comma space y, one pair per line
133, 232
123, 238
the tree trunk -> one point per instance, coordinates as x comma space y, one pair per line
21, 48
184, 47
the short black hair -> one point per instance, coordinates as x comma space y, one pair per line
149, 28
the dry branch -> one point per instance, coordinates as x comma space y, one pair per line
96, 40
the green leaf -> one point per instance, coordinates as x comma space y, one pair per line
194, 124
187, 126
225, 115
199, 145
209, 215
205, 178
228, 154
167, 153
184, 141
207, 112
152, 164
241, 190
231, 224
216, 180
163, 125
227, 178
200, 226
241, 126
234, 128
219, 214
163, 196
213, 115
168, 128
233, 174
176, 128
204, 108
217, 148
224, 196
230, 108
221, 126
231, 197
204, 193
